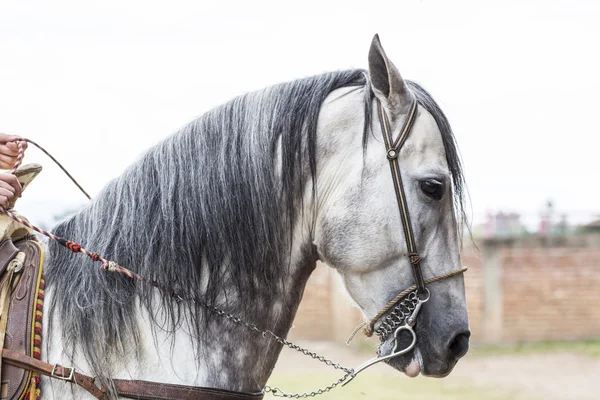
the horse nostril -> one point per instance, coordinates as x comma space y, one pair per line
459, 345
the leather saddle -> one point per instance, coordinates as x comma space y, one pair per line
21, 298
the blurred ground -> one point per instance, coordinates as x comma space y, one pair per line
534, 372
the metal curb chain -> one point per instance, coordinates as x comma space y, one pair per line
277, 392
398, 315
268, 334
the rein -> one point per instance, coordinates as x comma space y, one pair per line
20, 159
401, 311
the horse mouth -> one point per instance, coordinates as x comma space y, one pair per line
413, 365
410, 363
413, 369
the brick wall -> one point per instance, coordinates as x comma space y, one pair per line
474, 290
517, 291
313, 319
551, 294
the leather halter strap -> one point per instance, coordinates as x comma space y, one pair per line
393, 148
141, 390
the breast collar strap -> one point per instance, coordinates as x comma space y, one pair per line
132, 389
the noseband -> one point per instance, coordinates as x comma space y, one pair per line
400, 314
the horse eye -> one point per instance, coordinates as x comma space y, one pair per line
433, 188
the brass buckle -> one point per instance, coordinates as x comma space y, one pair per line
68, 378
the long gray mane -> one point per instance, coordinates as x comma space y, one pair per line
207, 195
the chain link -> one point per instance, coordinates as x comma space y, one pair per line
398, 315
395, 318
268, 334
277, 392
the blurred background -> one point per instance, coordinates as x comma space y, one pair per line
98, 83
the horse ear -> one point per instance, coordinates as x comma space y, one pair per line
386, 81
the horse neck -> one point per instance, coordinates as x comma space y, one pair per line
230, 356
226, 355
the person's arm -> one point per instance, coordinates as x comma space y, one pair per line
9, 150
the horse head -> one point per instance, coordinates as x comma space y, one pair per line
359, 230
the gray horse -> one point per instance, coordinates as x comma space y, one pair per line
235, 209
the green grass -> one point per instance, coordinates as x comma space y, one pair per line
590, 348
386, 387
587, 347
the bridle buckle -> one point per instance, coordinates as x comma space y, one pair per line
67, 378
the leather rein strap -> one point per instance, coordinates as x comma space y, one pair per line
141, 390
393, 148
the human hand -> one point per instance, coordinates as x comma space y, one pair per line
9, 188
9, 150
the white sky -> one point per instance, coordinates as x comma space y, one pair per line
98, 82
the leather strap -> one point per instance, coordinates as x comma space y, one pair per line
4, 307
163, 391
393, 148
54, 371
8, 251
140, 390
7, 289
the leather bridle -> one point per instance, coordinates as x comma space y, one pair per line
400, 314
393, 148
